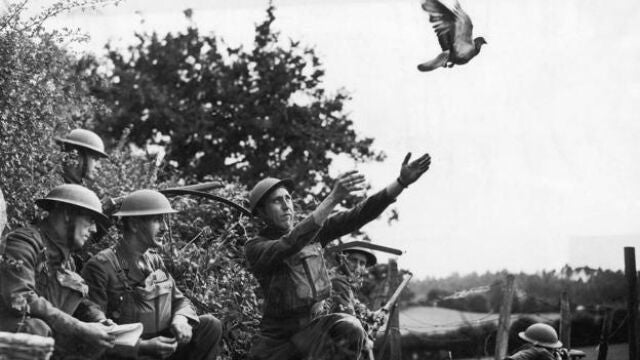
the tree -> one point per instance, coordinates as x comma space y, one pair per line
234, 113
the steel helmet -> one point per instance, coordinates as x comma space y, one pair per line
85, 139
144, 203
76, 195
542, 335
263, 188
371, 257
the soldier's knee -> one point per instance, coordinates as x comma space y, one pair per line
348, 326
210, 326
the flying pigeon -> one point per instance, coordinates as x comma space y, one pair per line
454, 29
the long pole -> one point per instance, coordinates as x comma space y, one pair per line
632, 299
502, 337
565, 320
395, 348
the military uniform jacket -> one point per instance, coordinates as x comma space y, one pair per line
123, 300
38, 278
274, 253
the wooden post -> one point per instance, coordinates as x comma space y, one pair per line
502, 337
603, 346
565, 320
395, 346
632, 299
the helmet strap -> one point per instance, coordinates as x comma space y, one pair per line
84, 161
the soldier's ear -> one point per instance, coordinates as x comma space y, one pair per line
260, 211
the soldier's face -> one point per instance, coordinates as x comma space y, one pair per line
278, 209
84, 226
90, 163
357, 263
149, 230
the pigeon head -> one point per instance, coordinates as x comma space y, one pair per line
479, 41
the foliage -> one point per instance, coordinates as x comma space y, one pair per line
40, 95
207, 260
239, 114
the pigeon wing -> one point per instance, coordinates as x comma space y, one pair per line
463, 26
443, 20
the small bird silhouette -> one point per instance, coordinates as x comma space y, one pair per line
454, 29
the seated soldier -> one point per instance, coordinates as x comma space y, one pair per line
346, 281
287, 259
41, 293
132, 285
84, 148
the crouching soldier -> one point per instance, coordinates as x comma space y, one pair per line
132, 285
41, 293
346, 281
542, 344
287, 259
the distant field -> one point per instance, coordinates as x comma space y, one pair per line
431, 320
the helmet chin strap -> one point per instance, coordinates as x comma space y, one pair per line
71, 230
85, 168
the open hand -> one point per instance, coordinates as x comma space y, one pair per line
411, 171
347, 183
96, 333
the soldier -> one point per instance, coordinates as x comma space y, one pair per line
88, 148
346, 282
287, 259
132, 285
542, 344
41, 293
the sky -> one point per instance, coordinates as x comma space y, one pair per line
534, 142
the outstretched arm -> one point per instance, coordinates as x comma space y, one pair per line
346, 222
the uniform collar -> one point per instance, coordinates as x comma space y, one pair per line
57, 247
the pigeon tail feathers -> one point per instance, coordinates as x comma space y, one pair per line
438, 61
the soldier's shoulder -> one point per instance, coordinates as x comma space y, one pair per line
103, 257
28, 235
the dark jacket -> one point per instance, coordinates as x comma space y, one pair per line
37, 277
112, 289
270, 255
532, 353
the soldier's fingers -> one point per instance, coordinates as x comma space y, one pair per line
357, 179
406, 158
347, 174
